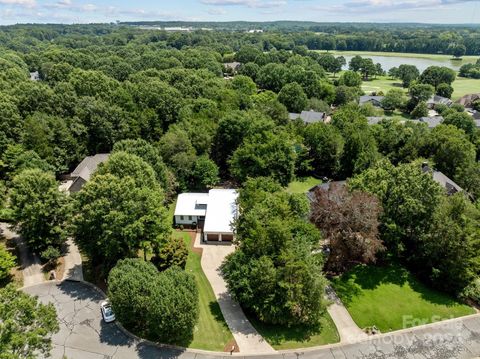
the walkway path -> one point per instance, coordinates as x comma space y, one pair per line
73, 262
31, 266
83, 335
347, 329
246, 336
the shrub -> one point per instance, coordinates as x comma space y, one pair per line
51, 254
172, 253
7, 262
160, 306
472, 291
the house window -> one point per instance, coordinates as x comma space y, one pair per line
181, 218
189, 218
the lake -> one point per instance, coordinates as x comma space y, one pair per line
421, 63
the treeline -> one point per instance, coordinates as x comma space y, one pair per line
227, 38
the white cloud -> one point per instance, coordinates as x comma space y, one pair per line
217, 11
23, 3
262, 4
364, 6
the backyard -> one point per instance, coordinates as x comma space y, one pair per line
211, 331
391, 298
302, 185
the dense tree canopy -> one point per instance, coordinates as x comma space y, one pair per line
26, 325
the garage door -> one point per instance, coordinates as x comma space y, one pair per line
227, 237
212, 237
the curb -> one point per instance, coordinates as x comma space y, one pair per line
279, 353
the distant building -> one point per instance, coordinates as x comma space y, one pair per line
438, 100
308, 117
82, 173
324, 186
468, 100
431, 122
232, 67
450, 186
374, 100
34, 76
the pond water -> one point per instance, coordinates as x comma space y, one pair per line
388, 62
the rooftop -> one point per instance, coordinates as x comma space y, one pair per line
219, 206
308, 116
221, 210
87, 167
191, 204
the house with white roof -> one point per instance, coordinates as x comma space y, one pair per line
213, 213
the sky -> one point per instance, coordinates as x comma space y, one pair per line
87, 11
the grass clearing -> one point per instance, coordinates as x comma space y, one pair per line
437, 57
389, 296
211, 331
461, 86
302, 185
283, 338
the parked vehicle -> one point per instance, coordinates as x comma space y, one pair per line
107, 312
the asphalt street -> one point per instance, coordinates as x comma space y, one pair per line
84, 335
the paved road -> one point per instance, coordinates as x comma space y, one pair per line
31, 266
347, 329
246, 336
83, 335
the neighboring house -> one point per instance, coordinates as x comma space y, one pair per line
325, 186
438, 100
34, 76
82, 173
374, 100
232, 67
431, 122
212, 212
308, 117
468, 100
450, 186
477, 123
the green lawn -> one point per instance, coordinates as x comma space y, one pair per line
388, 297
282, 338
302, 185
439, 57
211, 331
461, 86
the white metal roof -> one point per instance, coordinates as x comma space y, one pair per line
187, 204
221, 210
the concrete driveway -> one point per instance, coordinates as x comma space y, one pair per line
249, 341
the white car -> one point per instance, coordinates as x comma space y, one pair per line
107, 312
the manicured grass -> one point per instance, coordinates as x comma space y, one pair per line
381, 83
391, 298
461, 86
282, 338
211, 331
302, 185
438, 57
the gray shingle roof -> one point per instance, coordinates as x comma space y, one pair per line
435, 100
374, 99
431, 121
450, 186
87, 167
374, 120
308, 116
